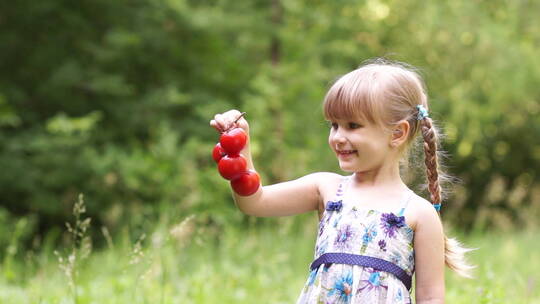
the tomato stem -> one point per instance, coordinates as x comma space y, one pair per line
241, 115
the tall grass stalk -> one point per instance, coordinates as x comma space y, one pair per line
138, 257
81, 247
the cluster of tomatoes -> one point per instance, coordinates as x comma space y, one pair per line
232, 165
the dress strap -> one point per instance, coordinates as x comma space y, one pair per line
337, 203
405, 202
343, 185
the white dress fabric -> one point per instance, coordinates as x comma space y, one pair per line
347, 228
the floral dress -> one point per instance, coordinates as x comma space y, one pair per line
361, 255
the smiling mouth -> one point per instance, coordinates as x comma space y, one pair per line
346, 152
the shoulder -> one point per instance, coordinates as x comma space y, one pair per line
421, 213
326, 184
321, 181
326, 176
422, 205
326, 181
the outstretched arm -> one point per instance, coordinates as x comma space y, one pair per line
287, 198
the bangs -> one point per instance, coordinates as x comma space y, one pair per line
352, 97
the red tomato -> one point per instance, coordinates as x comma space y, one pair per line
218, 153
247, 184
233, 141
231, 167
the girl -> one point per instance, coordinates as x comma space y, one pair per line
374, 232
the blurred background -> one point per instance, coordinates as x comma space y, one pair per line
112, 100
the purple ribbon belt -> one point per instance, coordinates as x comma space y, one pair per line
366, 261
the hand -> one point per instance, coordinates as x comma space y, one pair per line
228, 120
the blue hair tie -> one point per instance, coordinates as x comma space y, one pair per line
422, 112
437, 207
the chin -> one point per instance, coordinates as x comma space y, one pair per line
346, 168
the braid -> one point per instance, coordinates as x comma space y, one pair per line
430, 149
454, 252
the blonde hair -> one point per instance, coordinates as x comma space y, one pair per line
386, 93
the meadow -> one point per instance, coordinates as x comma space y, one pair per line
265, 261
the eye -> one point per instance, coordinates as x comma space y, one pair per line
353, 125
333, 125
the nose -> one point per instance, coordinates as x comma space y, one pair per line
338, 138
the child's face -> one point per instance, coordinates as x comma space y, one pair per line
359, 145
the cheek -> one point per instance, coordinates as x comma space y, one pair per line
368, 148
378, 151
330, 140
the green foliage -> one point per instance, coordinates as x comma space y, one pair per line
113, 99
13, 243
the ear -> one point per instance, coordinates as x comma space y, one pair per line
400, 133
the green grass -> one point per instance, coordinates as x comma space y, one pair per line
267, 264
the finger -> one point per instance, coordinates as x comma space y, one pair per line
215, 125
220, 121
231, 117
218, 118
229, 122
233, 113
